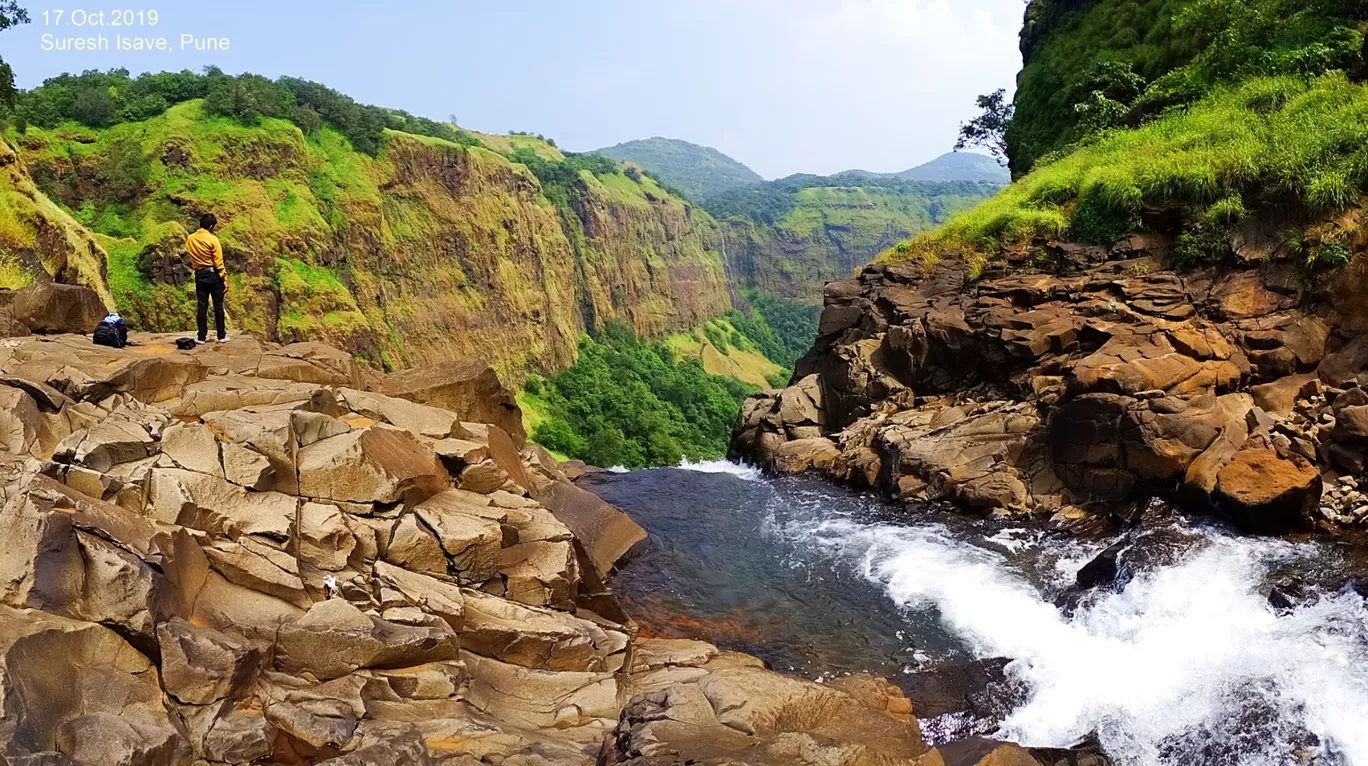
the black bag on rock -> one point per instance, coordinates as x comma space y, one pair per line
112, 331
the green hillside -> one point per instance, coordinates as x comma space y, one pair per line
1184, 118
402, 239
636, 403
959, 166
789, 237
698, 171
1101, 64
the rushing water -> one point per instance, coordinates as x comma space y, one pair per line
1187, 663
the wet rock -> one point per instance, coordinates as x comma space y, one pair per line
980, 688
1103, 569
977, 751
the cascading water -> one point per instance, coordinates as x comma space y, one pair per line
1186, 664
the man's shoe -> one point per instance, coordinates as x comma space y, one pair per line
199, 341
224, 339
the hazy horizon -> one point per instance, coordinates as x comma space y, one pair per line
784, 87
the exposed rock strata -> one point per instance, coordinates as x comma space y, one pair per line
1234, 391
249, 555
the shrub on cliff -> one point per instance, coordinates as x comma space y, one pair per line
629, 403
1090, 66
1272, 142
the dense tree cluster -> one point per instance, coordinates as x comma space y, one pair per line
101, 99
636, 404
10, 15
782, 329
560, 179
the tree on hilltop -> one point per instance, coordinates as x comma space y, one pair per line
10, 15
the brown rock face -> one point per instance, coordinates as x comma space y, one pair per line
221, 567
1102, 382
49, 307
468, 387
1264, 492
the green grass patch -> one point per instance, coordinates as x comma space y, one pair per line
1211, 163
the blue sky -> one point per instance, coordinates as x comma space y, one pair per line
785, 86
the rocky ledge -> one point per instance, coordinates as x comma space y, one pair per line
262, 554
1236, 390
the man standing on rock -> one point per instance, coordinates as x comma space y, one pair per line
211, 278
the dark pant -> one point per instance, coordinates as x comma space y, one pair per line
208, 284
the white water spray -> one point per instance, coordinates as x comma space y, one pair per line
1187, 665
747, 472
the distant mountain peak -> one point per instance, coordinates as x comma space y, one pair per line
959, 166
698, 171
954, 166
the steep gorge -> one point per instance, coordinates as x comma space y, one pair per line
429, 251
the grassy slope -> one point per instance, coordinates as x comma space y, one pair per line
736, 358
830, 230
1250, 112
27, 215
1267, 144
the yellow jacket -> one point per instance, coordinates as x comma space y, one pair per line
205, 251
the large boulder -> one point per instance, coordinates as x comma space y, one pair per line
604, 532
335, 639
77, 688
539, 638
200, 665
50, 307
58, 557
370, 465
1264, 492
80, 370
749, 715
468, 387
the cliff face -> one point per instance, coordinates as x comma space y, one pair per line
429, 251
1235, 389
644, 258
796, 263
38, 241
790, 237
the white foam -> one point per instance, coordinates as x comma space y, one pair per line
1181, 650
749, 473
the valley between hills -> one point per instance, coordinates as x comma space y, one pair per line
519, 455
